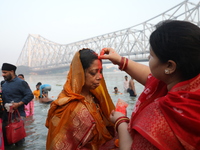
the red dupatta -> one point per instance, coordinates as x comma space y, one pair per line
181, 108
178, 111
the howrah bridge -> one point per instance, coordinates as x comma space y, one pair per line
41, 54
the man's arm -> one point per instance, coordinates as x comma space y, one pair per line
41, 86
28, 95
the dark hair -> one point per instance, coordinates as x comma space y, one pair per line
178, 41
39, 83
87, 56
115, 87
21, 75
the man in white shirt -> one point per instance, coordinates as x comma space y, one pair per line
126, 84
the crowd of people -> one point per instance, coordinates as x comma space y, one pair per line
15, 94
166, 114
15, 91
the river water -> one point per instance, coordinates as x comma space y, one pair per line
35, 125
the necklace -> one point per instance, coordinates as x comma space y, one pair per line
91, 104
94, 108
90, 98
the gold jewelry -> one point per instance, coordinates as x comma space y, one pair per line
91, 104
166, 71
89, 98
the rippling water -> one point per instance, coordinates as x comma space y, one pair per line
35, 125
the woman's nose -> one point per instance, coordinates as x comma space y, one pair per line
99, 76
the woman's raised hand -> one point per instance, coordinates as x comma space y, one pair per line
111, 54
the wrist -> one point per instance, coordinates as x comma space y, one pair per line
20, 103
119, 60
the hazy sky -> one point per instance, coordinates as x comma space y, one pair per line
67, 21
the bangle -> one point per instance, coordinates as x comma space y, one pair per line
120, 120
123, 63
122, 117
126, 64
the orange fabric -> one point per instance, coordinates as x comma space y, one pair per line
36, 93
117, 142
75, 123
167, 120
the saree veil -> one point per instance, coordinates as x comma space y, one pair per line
61, 122
169, 120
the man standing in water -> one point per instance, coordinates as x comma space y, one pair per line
126, 84
132, 90
15, 91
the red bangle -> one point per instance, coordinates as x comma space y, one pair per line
122, 117
121, 121
123, 63
126, 64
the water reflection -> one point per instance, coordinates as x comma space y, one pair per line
35, 129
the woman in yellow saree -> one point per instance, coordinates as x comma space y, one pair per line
79, 118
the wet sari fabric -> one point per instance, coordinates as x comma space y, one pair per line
167, 120
73, 122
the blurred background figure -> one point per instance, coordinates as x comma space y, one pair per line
44, 89
126, 84
116, 91
131, 89
21, 76
36, 92
29, 108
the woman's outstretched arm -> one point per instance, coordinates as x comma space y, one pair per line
136, 70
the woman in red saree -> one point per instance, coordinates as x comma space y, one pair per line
79, 118
167, 113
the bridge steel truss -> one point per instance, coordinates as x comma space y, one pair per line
41, 54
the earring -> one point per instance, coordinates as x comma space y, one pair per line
166, 71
